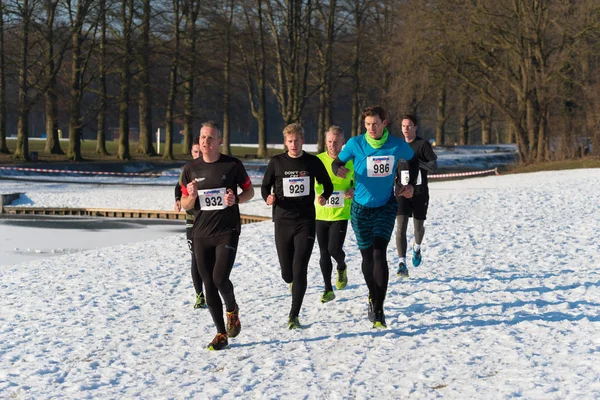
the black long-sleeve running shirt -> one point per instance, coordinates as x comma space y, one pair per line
292, 180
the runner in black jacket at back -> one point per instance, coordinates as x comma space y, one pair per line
189, 224
289, 186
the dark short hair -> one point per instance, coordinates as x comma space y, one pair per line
411, 117
374, 111
196, 140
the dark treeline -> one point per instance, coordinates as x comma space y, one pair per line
473, 71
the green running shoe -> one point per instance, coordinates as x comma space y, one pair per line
342, 279
200, 301
402, 271
219, 342
371, 311
327, 296
293, 323
379, 320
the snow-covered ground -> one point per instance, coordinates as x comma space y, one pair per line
505, 305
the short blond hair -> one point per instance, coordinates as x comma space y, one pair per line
336, 130
295, 128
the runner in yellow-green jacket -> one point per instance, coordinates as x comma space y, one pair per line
332, 218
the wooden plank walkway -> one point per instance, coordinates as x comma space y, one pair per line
112, 213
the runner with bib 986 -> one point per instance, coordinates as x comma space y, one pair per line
375, 155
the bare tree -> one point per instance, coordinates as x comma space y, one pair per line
22, 150
326, 13
53, 61
3, 146
127, 9
173, 74
79, 12
191, 33
228, 22
103, 94
251, 43
145, 145
289, 25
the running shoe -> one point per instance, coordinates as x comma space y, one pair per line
293, 323
327, 296
342, 279
233, 322
371, 311
416, 257
379, 320
402, 271
200, 301
219, 342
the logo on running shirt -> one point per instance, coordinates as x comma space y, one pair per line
224, 177
199, 179
296, 173
214, 191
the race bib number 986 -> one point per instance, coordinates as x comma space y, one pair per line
212, 199
380, 166
296, 187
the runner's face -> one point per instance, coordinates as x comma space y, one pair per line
196, 151
209, 141
334, 144
294, 144
409, 130
375, 126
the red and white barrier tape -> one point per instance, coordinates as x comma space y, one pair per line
495, 170
54, 171
154, 175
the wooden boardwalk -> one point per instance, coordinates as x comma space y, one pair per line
112, 213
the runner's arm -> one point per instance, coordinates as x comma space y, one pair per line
268, 181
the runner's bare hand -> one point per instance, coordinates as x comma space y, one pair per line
229, 198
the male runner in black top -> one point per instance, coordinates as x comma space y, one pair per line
289, 186
189, 224
418, 204
209, 186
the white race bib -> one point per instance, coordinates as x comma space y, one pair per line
380, 166
296, 187
212, 199
336, 200
404, 177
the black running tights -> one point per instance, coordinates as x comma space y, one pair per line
215, 256
294, 242
331, 236
196, 279
375, 270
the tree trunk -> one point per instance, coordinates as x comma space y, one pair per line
3, 146
486, 123
145, 145
226, 147
22, 149
188, 84
127, 20
441, 116
463, 127
168, 152
51, 99
356, 114
75, 124
101, 126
